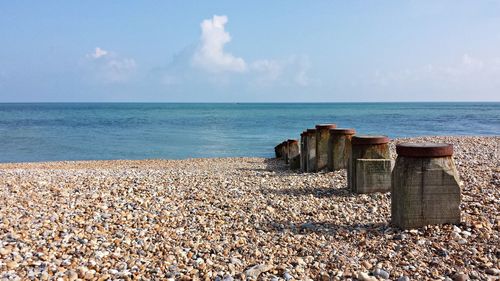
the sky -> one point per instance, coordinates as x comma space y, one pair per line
252, 51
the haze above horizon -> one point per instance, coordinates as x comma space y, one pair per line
329, 51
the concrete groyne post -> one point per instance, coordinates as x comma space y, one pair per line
339, 148
293, 154
311, 150
322, 136
284, 151
369, 168
303, 152
425, 186
277, 150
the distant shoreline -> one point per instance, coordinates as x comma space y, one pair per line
3, 165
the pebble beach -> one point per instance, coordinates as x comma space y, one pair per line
237, 219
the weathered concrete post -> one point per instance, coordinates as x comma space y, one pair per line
284, 151
339, 148
369, 167
322, 136
294, 154
303, 152
277, 150
425, 186
311, 150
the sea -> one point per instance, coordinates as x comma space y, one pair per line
32, 132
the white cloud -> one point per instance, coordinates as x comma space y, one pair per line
293, 70
118, 70
210, 55
107, 66
207, 63
270, 70
466, 73
98, 52
302, 77
471, 62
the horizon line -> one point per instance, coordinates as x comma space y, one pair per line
243, 102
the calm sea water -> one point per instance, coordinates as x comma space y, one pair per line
78, 131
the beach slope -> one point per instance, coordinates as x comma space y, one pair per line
200, 219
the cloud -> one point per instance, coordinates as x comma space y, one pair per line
468, 74
210, 55
206, 63
270, 70
108, 67
302, 77
293, 70
471, 62
98, 53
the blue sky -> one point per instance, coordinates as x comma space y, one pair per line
254, 51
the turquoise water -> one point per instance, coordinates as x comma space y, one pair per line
78, 131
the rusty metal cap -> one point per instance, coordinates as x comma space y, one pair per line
311, 131
363, 140
326, 126
342, 131
427, 149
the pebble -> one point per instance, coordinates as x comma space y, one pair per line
257, 270
456, 236
367, 265
287, 276
404, 278
72, 275
363, 276
474, 275
460, 277
381, 273
4, 252
196, 219
89, 275
12, 264
324, 276
492, 271
465, 234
